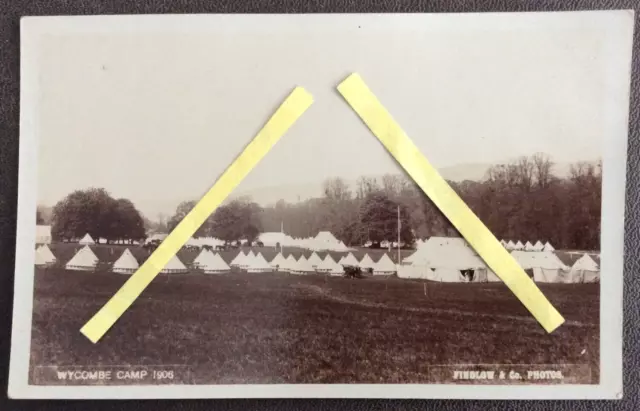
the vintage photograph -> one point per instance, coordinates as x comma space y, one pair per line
327, 264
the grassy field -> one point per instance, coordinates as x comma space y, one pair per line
281, 328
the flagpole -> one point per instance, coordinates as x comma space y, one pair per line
398, 234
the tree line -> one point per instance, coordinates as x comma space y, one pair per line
375, 217
522, 200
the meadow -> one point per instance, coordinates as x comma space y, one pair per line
283, 328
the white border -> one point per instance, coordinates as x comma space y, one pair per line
617, 24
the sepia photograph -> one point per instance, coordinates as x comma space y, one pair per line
327, 266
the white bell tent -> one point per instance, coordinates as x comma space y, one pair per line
86, 240
585, 270
44, 256
126, 263
212, 263
174, 266
83, 260
314, 260
384, 266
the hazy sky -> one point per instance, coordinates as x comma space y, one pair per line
157, 117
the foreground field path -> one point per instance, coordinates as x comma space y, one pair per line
343, 299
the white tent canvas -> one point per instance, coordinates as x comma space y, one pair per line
546, 266
585, 270
258, 264
289, 264
367, 263
326, 237
528, 246
327, 264
198, 260
410, 258
538, 246
350, 260
519, 246
302, 266
492, 277
330, 266
86, 240
314, 260
511, 245
174, 266
448, 275
384, 266
548, 247
538, 259
447, 252
480, 276
337, 270
44, 256
126, 263
340, 247
414, 271
43, 234
273, 239
544, 275
278, 262
421, 248
83, 260
213, 264
239, 260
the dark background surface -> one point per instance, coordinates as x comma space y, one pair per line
10, 13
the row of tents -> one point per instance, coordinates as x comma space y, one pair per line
211, 263
518, 246
447, 259
314, 263
441, 259
324, 241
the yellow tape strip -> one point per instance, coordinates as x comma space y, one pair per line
384, 127
292, 108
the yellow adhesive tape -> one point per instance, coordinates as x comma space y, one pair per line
384, 127
290, 110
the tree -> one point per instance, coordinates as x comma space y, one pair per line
336, 189
181, 211
95, 212
379, 217
127, 223
81, 212
236, 220
542, 166
392, 185
366, 185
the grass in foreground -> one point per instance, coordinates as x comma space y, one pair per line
281, 328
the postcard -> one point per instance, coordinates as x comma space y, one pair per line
328, 272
